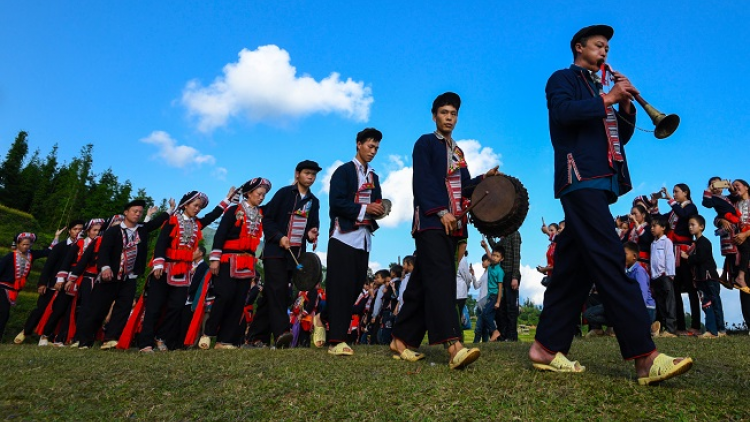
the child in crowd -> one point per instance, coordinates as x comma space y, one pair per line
713, 197
662, 274
552, 231
408, 268
636, 272
481, 332
494, 291
703, 267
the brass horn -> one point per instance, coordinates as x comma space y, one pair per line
665, 125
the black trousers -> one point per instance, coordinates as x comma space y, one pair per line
429, 298
683, 282
60, 306
4, 311
507, 315
589, 251
347, 272
165, 300
271, 315
226, 312
121, 293
36, 314
82, 304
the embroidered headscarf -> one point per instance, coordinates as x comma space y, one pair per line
25, 235
191, 196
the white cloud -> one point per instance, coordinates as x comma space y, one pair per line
531, 285
478, 158
374, 266
397, 187
263, 85
323, 257
325, 182
220, 173
175, 155
397, 183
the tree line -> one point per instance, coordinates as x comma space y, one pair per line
55, 192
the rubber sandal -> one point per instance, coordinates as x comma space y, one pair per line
464, 358
224, 346
560, 363
109, 345
19, 338
664, 368
407, 355
319, 336
205, 342
341, 349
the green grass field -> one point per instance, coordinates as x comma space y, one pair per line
308, 384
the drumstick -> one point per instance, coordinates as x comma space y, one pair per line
299, 267
473, 204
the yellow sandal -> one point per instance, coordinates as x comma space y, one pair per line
664, 368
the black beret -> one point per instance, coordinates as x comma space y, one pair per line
135, 203
604, 30
307, 165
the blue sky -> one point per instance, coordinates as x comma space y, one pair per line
161, 91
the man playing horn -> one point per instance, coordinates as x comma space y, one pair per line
591, 171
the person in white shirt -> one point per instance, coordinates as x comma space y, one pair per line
481, 332
662, 275
355, 201
464, 279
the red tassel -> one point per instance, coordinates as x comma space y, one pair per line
45, 316
200, 309
128, 333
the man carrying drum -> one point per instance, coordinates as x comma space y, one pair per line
591, 171
441, 181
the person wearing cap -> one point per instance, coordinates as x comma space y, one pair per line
63, 308
355, 200
232, 262
169, 282
591, 172
290, 221
441, 183
121, 260
47, 286
14, 269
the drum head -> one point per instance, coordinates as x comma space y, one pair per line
387, 205
503, 209
499, 201
310, 274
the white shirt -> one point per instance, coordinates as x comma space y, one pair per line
481, 284
404, 283
464, 278
662, 258
361, 238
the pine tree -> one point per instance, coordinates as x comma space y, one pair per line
31, 178
10, 170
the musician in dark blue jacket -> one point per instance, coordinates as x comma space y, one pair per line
290, 221
591, 172
355, 200
440, 183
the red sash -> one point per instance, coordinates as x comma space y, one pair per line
363, 196
200, 310
131, 327
45, 316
